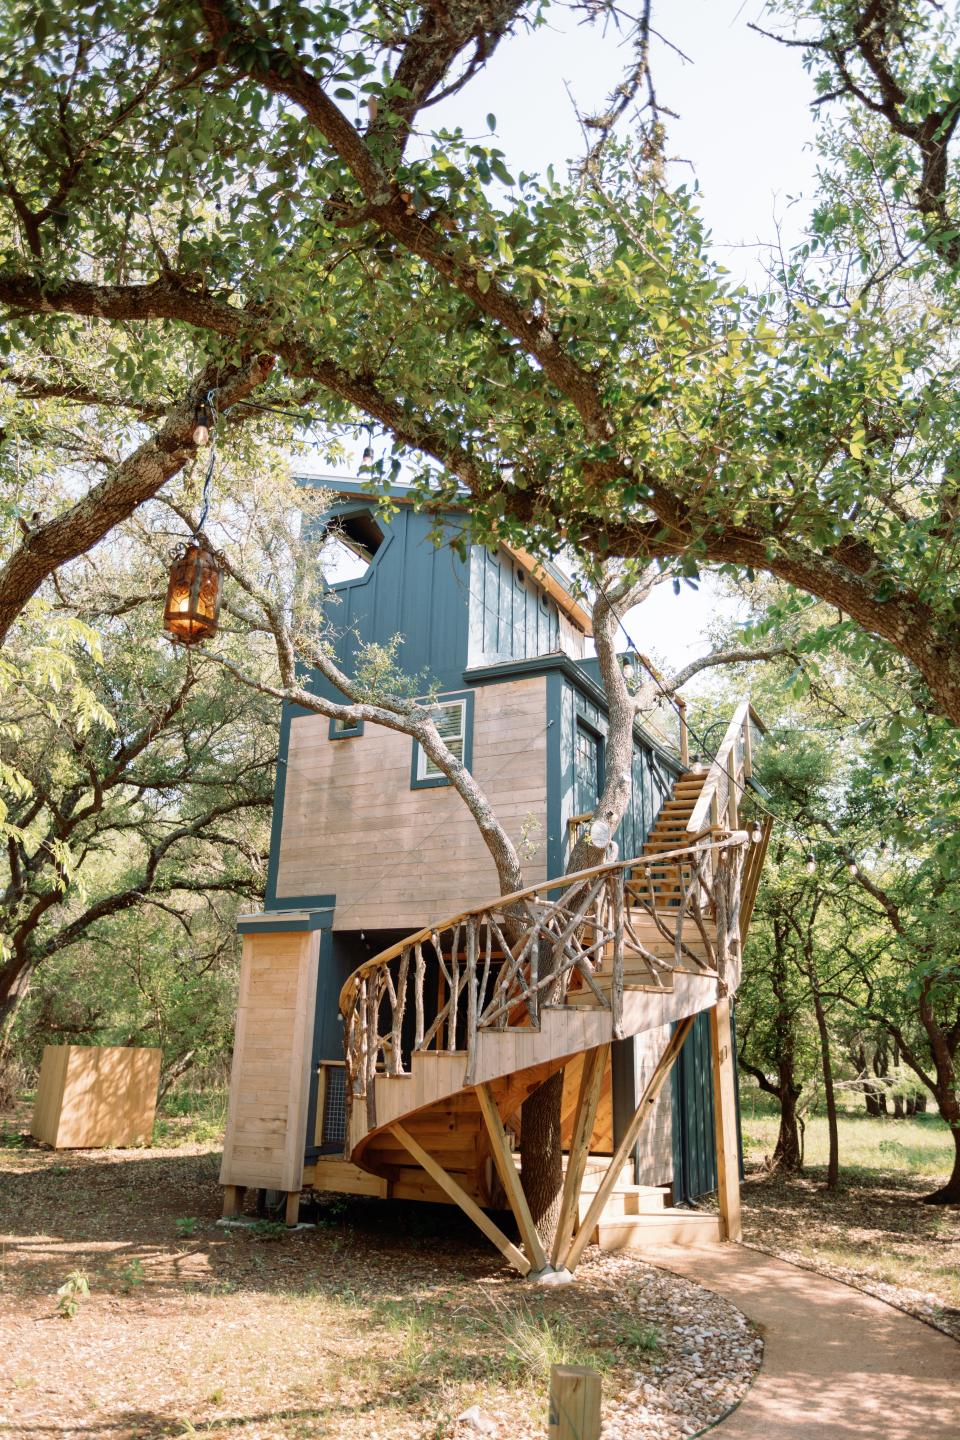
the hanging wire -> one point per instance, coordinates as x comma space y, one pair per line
211, 462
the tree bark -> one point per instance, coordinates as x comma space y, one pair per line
949, 1194
541, 1155
541, 1148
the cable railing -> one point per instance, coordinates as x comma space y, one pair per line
582, 938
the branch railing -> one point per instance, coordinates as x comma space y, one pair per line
497, 966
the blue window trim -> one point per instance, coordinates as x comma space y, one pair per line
350, 734
599, 738
433, 782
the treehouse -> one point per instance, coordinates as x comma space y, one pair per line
395, 1010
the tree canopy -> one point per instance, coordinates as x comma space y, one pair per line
193, 182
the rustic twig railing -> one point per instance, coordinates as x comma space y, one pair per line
496, 966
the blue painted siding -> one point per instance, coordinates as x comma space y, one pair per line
412, 588
694, 1141
511, 616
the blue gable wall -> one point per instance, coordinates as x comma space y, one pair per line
413, 588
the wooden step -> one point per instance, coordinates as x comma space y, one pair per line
625, 1200
669, 1227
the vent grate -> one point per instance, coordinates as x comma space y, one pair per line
335, 1106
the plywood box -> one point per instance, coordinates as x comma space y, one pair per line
93, 1096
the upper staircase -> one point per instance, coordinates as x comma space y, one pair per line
449, 1031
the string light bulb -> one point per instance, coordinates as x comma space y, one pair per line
202, 424
756, 832
852, 867
811, 863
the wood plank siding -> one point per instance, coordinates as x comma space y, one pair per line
397, 857
270, 1076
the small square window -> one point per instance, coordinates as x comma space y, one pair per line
345, 729
450, 719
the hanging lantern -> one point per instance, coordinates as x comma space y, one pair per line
193, 594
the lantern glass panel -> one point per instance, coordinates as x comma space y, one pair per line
193, 596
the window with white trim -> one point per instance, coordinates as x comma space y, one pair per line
450, 718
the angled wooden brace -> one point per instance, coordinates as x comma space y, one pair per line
509, 1179
460, 1197
647, 1100
588, 1100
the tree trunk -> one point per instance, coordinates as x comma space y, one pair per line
870, 1098
881, 1068
788, 1152
949, 1194
541, 1148
833, 1163
541, 1155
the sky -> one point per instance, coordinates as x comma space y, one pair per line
744, 134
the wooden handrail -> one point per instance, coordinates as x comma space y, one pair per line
728, 772
500, 963
736, 837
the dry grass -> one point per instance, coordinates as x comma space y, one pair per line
874, 1231
354, 1328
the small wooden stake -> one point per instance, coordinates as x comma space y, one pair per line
574, 1403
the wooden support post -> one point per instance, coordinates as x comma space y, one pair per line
460, 1197
733, 809
591, 1085
725, 1120
574, 1403
292, 1214
321, 1105
509, 1178
684, 733
233, 1200
647, 1101
616, 984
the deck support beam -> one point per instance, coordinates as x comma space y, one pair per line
460, 1197
588, 1100
647, 1101
233, 1200
509, 1178
725, 1120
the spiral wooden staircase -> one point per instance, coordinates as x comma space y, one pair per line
448, 1032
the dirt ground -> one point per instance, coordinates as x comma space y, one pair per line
353, 1328
873, 1233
